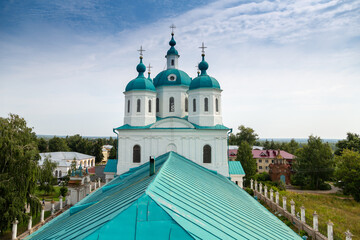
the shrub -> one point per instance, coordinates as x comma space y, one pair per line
249, 191
324, 186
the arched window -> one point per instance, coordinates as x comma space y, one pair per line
157, 105
172, 62
60, 174
194, 105
136, 154
171, 105
206, 104
150, 106
128, 106
138, 105
56, 173
217, 105
207, 154
186, 105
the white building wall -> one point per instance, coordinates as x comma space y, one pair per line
200, 116
188, 142
168, 61
144, 117
179, 93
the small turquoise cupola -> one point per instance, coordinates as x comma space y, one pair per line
141, 83
149, 72
172, 54
204, 80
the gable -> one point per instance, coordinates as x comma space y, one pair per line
172, 123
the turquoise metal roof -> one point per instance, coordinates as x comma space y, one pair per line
181, 78
106, 204
172, 50
141, 83
210, 206
182, 200
129, 127
111, 166
235, 167
204, 80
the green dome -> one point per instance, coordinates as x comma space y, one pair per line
204, 80
172, 50
172, 77
141, 82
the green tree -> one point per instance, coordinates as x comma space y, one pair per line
314, 163
43, 145
98, 150
18, 170
244, 155
47, 179
246, 134
351, 142
348, 173
293, 146
113, 153
57, 144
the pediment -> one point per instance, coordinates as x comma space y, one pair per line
172, 123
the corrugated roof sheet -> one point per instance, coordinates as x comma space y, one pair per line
235, 167
182, 200
210, 206
111, 166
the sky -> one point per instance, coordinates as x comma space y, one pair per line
287, 68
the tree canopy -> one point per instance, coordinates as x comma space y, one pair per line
314, 163
351, 142
18, 170
245, 134
47, 179
348, 173
57, 144
244, 155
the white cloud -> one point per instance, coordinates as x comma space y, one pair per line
287, 68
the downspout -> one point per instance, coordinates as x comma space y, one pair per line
117, 147
228, 139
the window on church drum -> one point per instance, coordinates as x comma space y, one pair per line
157, 105
136, 154
150, 106
172, 62
171, 105
138, 105
186, 105
194, 105
206, 104
217, 105
128, 106
207, 154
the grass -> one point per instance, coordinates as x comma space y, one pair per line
48, 197
344, 213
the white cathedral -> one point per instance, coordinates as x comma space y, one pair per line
173, 112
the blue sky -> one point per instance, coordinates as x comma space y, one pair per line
287, 68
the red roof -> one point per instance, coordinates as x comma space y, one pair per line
265, 154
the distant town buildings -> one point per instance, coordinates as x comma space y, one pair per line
64, 160
264, 157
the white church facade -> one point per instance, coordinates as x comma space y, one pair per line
173, 112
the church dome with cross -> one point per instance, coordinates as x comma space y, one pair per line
204, 80
140, 83
172, 75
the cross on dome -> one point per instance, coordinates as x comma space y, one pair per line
172, 29
149, 67
203, 48
141, 50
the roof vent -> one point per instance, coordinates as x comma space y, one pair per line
152, 166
